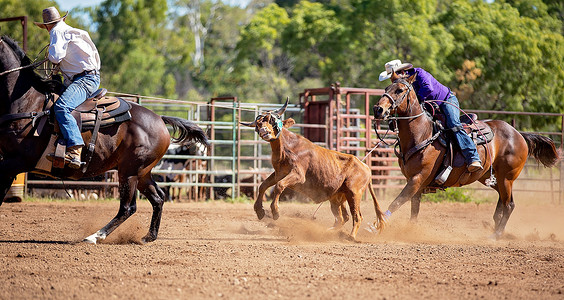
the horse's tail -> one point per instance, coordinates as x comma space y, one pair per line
379, 214
187, 131
542, 149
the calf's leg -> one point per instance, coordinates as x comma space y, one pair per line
268, 182
290, 180
339, 211
354, 204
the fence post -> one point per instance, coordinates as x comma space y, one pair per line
235, 154
560, 187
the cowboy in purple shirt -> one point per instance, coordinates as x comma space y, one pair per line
428, 88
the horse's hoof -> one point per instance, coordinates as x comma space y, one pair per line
260, 214
348, 237
372, 229
496, 236
148, 238
275, 215
94, 238
89, 240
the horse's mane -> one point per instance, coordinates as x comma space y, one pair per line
38, 82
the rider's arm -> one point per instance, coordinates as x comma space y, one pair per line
58, 46
425, 87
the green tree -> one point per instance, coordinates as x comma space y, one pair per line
200, 46
129, 43
37, 38
316, 39
260, 54
519, 57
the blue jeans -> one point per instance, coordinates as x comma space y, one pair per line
75, 94
452, 114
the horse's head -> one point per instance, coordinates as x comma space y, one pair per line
393, 100
269, 124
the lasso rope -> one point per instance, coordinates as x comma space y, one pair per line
33, 65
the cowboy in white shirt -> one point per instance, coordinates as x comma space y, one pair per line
79, 63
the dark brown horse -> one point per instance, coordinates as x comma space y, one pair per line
503, 158
133, 147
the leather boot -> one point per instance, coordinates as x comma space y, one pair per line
72, 157
475, 166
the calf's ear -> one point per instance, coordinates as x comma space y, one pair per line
288, 122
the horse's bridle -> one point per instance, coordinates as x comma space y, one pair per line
396, 104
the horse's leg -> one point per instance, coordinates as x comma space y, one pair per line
507, 205
415, 203
128, 206
5, 184
148, 187
410, 190
498, 212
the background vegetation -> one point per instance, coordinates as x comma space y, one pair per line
498, 55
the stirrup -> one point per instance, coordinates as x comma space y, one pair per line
72, 163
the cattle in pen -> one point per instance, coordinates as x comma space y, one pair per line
171, 170
319, 173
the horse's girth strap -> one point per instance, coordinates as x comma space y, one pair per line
93, 138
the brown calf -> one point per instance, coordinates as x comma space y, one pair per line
314, 171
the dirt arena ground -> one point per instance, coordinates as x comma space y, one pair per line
220, 250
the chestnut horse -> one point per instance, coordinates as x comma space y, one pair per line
133, 147
503, 158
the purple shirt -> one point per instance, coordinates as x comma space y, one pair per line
427, 87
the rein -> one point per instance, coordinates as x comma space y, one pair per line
33, 65
27, 115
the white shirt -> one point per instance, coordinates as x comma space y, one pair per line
73, 50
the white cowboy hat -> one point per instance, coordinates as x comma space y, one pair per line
50, 16
394, 66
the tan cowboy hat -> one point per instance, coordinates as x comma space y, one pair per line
50, 16
394, 66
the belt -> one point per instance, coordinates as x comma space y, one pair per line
83, 73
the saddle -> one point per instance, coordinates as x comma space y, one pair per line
96, 112
113, 110
480, 132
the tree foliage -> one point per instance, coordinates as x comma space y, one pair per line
500, 55
37, 38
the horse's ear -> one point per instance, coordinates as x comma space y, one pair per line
288, 122
394, 77
411, 78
